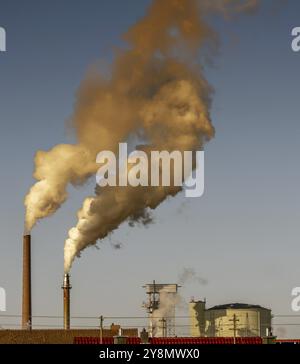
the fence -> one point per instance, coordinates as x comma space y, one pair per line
285, 326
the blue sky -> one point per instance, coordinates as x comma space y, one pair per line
242, 235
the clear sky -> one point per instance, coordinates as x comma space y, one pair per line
242, 235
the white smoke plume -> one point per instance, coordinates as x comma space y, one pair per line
156, 88
167, 304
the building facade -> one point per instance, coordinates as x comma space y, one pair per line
229, 320
162, 299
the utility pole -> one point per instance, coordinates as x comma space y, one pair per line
234, 320
164, 327
101, 329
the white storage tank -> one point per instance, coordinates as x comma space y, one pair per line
238, 319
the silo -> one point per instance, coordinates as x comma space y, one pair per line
197, 318
238, 320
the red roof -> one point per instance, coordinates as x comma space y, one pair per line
105, 340
204, 340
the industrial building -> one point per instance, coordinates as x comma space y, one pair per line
162, 299
235, 321
229, 320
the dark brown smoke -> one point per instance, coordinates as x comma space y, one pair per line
156, 89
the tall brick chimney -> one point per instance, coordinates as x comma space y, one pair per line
26, 299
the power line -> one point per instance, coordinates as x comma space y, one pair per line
120, 317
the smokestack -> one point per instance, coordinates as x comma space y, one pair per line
26, 304
66, 289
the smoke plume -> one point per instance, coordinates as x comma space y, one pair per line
167, 303
156, 89
190, 275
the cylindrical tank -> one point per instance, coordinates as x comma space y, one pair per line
239, 320
197, 318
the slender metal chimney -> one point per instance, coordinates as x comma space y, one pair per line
66, 289
26, 303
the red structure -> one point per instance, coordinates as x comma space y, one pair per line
174, 340
105, 340
204, 340
287, 341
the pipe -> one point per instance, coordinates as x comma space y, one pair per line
66, 289
26, 299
